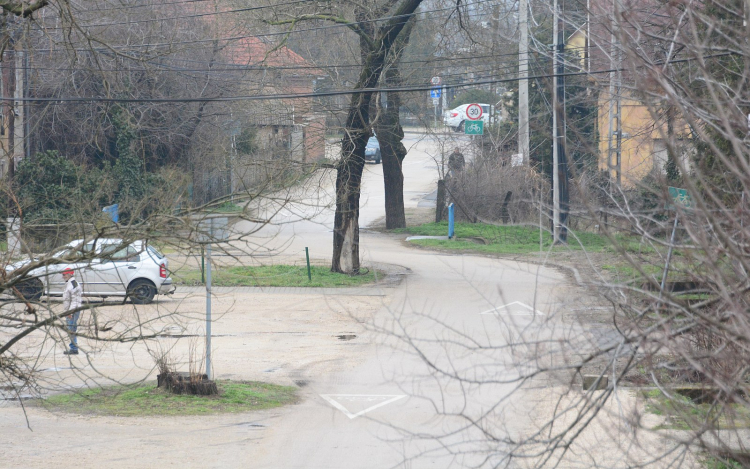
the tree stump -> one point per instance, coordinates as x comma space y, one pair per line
187, 383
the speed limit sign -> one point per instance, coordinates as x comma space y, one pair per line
474, 111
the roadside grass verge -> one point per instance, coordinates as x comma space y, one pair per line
716, 463
274, 276
682, 413
227, 207
147, 400
517, 239
522, 240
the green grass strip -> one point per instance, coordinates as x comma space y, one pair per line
275, 276
503, 239
148, 400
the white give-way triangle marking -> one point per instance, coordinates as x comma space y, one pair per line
356, 401
526, 310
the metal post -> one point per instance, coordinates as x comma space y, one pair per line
208, 297
203, 267
307, 256
208, 310
555, 156
562, 161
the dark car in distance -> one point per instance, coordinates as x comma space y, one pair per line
372, 150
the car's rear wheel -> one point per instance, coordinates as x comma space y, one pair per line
141, 291
460, 127
30, 289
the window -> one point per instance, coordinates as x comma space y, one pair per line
111, 252
155, 252
127, 254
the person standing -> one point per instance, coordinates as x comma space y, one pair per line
72, 301
456, 162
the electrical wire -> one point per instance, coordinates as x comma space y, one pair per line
276, 96
266, 35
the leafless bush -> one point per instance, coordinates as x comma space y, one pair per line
492, 191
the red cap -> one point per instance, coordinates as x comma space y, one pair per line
68, 271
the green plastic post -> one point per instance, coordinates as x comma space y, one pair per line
309, 274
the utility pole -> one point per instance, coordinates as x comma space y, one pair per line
523, 81
9, 69
559, 161
19, 106
614, 129
555, 158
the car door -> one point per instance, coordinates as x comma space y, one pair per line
116, 269
88, 271
53, 273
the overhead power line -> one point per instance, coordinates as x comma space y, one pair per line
266, 97
281, 33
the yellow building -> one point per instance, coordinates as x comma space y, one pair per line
643, 147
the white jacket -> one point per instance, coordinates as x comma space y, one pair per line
72, 295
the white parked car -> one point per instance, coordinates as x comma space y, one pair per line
104, 267
455, 117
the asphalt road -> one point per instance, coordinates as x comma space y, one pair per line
443, 355
429, 381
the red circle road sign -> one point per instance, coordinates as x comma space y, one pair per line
474, 111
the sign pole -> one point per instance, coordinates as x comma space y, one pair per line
307, 256
208, 302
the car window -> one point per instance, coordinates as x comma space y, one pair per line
485, 109
127, 254
152, 250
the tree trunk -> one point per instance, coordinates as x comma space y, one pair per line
390, 136
349, 176
349, 169
348, 183
440, 201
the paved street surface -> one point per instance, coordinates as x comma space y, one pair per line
375, 365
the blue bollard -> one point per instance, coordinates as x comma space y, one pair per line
451, 221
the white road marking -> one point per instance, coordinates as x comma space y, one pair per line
529, 310
384, 399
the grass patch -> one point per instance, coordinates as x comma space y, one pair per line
716, 463
148, 400
3, 246
503, 239
227, 207
274, 276
681, 413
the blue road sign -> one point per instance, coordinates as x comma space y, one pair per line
436, 92
113, 212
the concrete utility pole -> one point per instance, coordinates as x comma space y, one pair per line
559, 160
523, 81
19, 108
614, 129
